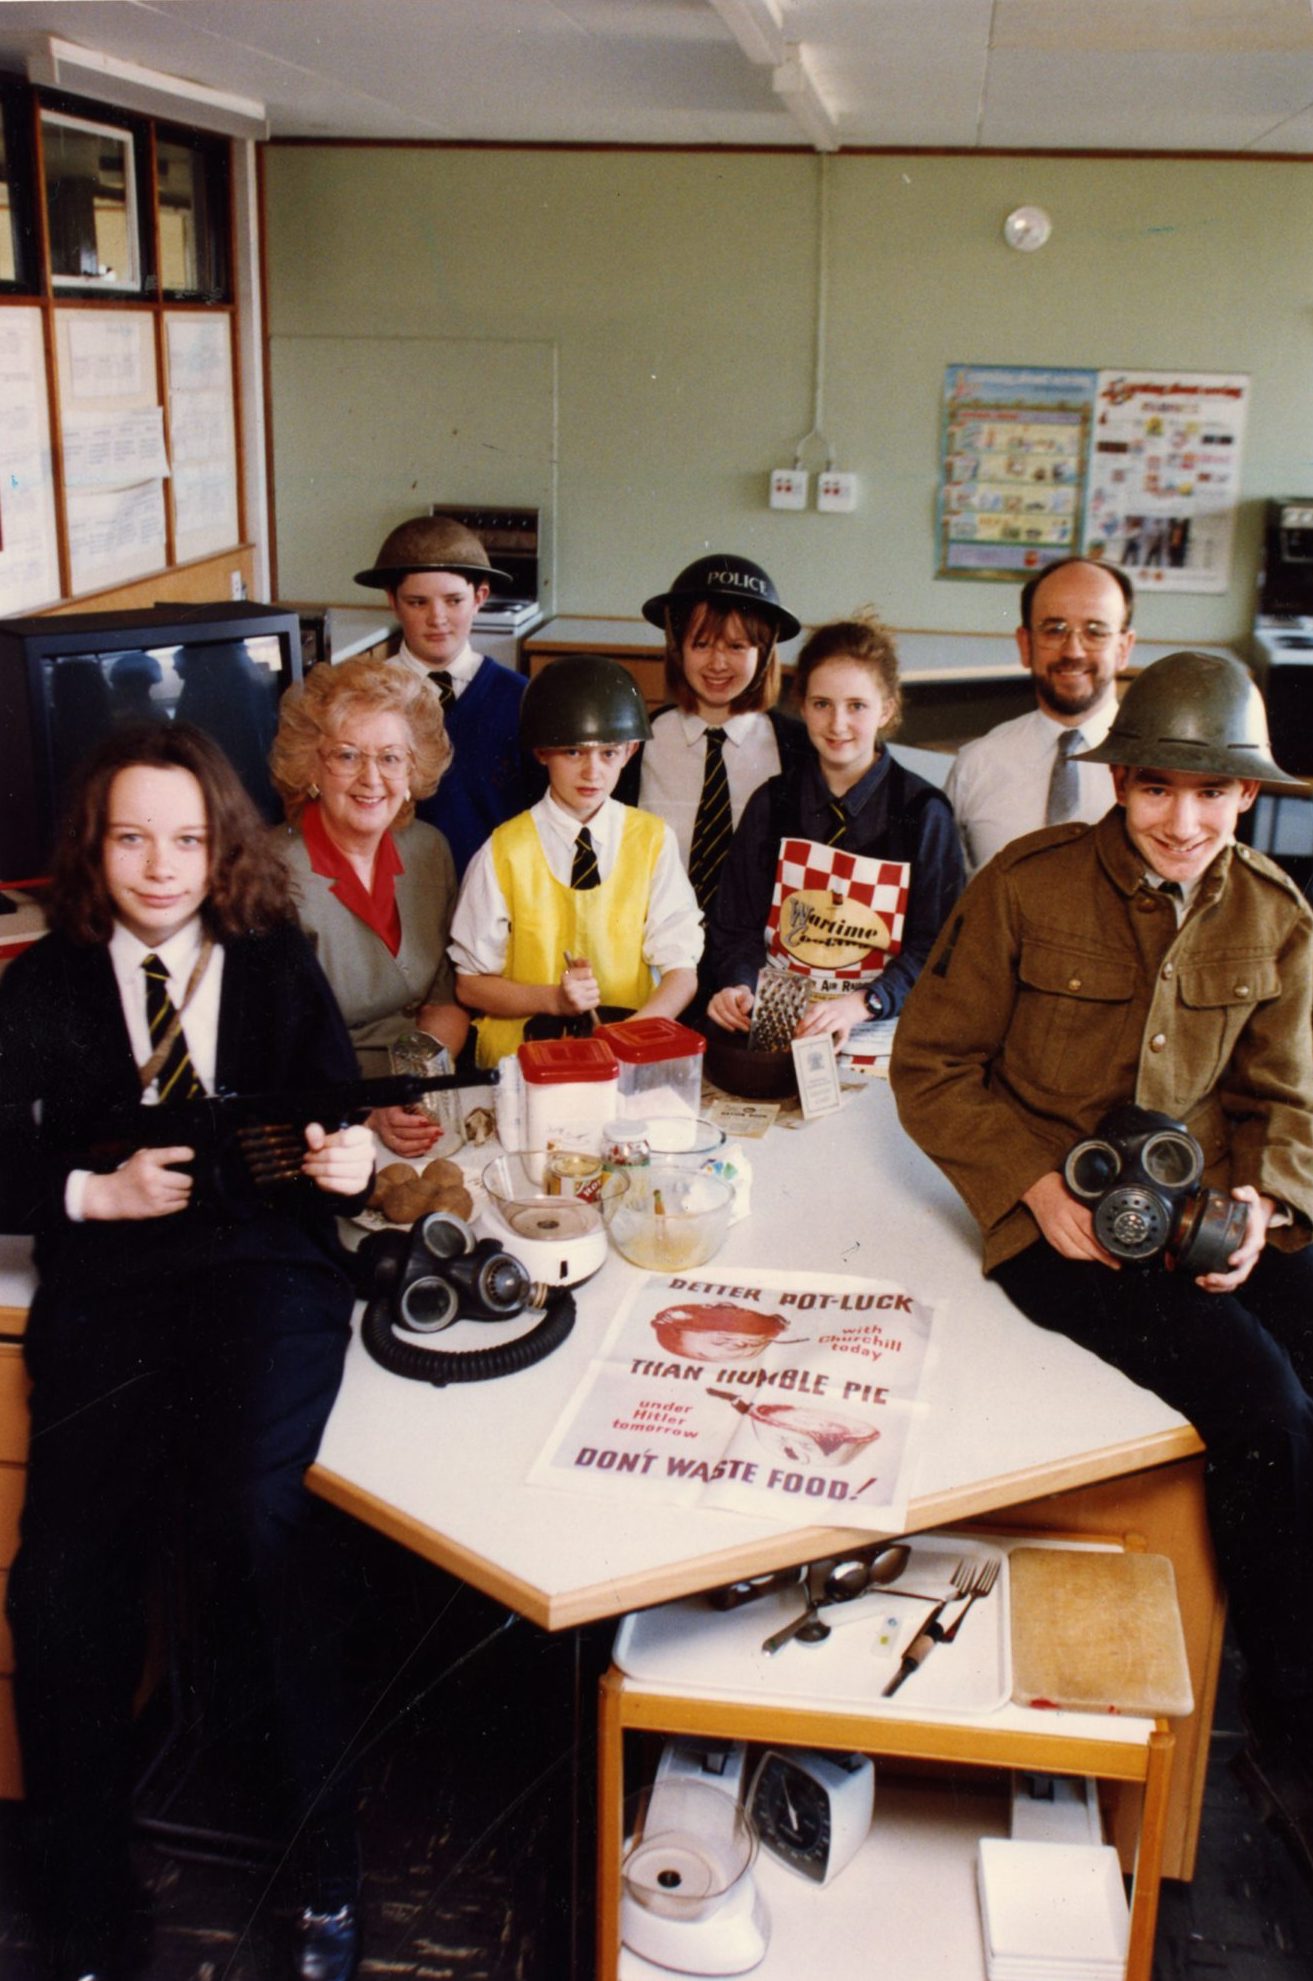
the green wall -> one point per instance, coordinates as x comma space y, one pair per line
627, 339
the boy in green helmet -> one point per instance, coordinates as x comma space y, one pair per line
580, 903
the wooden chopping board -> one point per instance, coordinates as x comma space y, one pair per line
1097, 1632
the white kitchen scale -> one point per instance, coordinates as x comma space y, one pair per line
689, 1901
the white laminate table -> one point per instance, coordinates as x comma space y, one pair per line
1017, 1419
1011, 1411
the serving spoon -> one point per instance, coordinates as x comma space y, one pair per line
843, 1581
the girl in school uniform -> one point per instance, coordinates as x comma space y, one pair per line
722, 735
184, 1348
846, 865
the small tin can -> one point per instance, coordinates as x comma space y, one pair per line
571, 1173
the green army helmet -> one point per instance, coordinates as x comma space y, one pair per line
581, 698
429, 543
1197, 712
731, 582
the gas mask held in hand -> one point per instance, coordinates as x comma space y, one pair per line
1139, 1173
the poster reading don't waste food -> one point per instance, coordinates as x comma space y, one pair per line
792, 1396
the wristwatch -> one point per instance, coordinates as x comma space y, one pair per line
877, 1004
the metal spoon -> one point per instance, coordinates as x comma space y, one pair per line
841, 1587
844, 1579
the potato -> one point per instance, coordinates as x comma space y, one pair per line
456, 1199
405, 1202
443, 1171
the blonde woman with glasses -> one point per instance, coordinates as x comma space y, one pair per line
357, 746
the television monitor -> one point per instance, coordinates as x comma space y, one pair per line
66, 681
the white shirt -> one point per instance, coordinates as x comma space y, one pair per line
1182, 902
675, 760
481, 925
200, 1022
460, 672
999, 783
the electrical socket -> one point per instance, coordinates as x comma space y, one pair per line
788, 488
836, 494
237, 585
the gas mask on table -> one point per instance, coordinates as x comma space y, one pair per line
419, 1282
1139, 1173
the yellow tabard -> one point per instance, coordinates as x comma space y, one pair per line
549, 919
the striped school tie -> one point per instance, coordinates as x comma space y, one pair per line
584, 872
176, 1079
442, 682
839, 830
714, 826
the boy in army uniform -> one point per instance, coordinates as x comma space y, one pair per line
1150, 959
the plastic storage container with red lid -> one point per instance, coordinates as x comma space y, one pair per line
660, 1067
544, 1060
570, 1092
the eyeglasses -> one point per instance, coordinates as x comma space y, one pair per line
344, 760
1056, 632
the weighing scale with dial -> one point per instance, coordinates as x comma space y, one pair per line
813, 1810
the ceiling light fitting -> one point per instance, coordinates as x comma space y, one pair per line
129, 86
1027, 228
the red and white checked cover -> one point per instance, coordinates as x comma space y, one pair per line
803, 865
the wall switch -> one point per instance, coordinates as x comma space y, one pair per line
788, 488
836, 493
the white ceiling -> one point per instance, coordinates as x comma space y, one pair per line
1067, 75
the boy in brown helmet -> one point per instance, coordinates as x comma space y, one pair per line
436, 575
1149, 967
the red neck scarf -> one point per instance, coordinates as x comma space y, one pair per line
376, 906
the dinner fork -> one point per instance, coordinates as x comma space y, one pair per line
972, 1580
931, 1631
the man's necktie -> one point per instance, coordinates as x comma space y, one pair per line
1064, 783
176, 1079
584, 872
442, 682
713, 827
839, 830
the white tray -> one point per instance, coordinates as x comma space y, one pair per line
688, 1646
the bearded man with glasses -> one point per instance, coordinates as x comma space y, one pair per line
1074, 639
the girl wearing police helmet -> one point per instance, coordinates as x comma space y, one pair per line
722, 736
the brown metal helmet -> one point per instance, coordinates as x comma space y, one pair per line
429, 543
1193, 711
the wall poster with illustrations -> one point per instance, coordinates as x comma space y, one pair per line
1164, 476
1141, 468
1015, 443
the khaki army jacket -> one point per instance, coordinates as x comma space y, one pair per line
1061, 986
